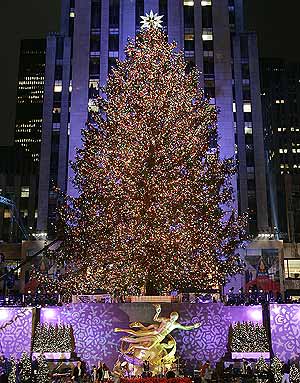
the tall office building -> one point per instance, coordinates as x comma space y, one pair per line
281, 99
30, 94
93, 35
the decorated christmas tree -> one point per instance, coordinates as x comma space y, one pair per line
37, 340
276, 367
43, 370
12, 375
294, 374
249, 337
262, 368
154, 209
25, 371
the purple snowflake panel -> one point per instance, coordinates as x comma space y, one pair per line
285, 330
15, 331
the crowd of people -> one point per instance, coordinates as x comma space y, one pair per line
241, 372
79, 372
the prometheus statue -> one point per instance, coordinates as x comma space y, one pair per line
152, 343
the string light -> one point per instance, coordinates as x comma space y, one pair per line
155, 206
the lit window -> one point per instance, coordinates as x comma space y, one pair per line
7, 214
24, 213
248, 130
70, 86
72, 14
189, 36
207, 34
188, 3
204, 3
234, 107
58, 86
35, 214
24, 191
279, 101
247, 107
292, 268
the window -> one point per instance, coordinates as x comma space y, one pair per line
57, 86
188, 3
247, 107
207, 34
292, 268
25, 192
113, 43
205, 3
7, 214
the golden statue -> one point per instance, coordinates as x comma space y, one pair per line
152, 343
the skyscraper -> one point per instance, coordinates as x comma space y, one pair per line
281, 99
30, 94
211, 33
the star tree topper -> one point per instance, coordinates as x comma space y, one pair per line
151, 20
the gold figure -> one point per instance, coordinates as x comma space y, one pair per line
153, 343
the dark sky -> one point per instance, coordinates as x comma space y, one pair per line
276, 23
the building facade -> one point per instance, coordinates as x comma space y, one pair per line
30, 94
18, 194
281, 116
211, 33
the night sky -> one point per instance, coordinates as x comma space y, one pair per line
276, 23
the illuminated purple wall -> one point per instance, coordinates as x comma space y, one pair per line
285, 330
93, 326
15, 330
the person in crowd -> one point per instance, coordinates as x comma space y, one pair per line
105, 373
170, 374
208, 373
219, 370
94, 374
249, 378
271, 378
100, 372
146, 367
286, 368
78, 373
3, 369
34, 369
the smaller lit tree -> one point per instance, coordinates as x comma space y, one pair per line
43, 370
12, 375
262, 368
25, 372
276, 367
294, 374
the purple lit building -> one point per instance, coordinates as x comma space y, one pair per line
211, 33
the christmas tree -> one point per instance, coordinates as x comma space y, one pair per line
37, 339
276, 366
155, 205
249, 337
43, 370
25, 372
294, 374
262, 368
12, 375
